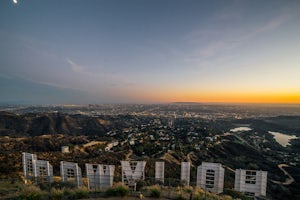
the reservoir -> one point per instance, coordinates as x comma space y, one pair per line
240, 129
281, 138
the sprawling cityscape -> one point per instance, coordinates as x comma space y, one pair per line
250, 137
149, 99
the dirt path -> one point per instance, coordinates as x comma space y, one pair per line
168, 157
189, 156
128, 154
92, 143
288, 180
230, 169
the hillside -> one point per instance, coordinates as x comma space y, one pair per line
52, 123
150, 138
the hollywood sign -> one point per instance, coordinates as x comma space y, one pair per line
98, 176
210, 176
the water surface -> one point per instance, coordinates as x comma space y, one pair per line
282, 139
240, 129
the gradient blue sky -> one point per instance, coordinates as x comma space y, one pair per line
149, 51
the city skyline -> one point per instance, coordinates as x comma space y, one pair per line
75, 51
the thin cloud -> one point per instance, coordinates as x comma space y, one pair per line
96, 78
75, 67
209, 43
46, 83
269, 26
273, 24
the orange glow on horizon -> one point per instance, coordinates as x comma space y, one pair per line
162, 96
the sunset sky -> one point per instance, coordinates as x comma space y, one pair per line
149, 51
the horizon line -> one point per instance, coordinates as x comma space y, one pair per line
154, 103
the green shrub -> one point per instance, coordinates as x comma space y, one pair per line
188, 189
180, 197
44, 186
30, 192
236, 194
69, 194
226, 197
155, 191
62, 185
198, 197
80, 194
117, 190
96, 193
56, 194
31, 196
140, 184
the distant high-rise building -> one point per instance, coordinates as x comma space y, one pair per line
34, 168
99, 176
251, 182
210, 176
132, 171
70, 172
160, 171
185, 172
